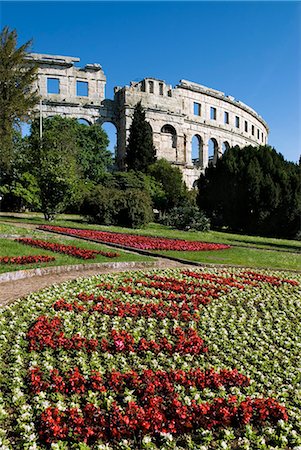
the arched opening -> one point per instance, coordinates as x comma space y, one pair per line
111, 131
24, 128
169, 142
197, 150
195, 184
84, 121
225, 146
212, 151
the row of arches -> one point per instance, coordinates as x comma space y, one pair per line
197, 147
169, 140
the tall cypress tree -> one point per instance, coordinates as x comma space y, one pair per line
140, 152
16, 94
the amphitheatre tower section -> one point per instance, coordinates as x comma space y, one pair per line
192, 124
68, 90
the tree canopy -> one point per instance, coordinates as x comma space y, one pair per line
171, 180
16, 93
140, 152
253, 190
69, 155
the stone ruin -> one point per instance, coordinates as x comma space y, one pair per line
192, 124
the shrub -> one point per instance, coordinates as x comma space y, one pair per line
129, 208
187, 217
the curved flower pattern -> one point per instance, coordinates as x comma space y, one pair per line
29, 259
136, 240
71, 250
201, 359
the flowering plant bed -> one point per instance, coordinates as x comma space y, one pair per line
29, 259
67, 249
136, 240
177, 359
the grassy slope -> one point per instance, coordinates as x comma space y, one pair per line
248, 257
12, 248
286, 254
160, 230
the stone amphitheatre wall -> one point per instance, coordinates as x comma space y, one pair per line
192, 124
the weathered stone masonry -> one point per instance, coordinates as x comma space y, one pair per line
178, 115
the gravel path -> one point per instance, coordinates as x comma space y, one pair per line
12, 290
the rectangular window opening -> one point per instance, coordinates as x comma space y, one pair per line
237, 121
53, 86
257, 134
212, 113
226, 117
82, 88
161, 88
246, 126
151, 87
253, 130
196, 109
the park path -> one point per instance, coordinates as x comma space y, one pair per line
12, 290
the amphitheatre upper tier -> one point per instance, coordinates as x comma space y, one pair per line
192, 124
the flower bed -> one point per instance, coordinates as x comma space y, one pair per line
166, 359
30, 259
71, 250
137, 241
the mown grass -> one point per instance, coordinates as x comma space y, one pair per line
154, 229
249, 251
9, 247
247, 257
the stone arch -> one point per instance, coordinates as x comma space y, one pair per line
212, 151
225, 146
169, 140
195, 184
112, 131
169, 129
197, 150
84, 121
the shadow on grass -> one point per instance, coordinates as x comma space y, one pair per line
270, 245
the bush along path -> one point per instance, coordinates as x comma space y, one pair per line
94, 366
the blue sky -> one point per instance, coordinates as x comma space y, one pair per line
251, 50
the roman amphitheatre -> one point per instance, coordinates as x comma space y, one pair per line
154, 338
181, 117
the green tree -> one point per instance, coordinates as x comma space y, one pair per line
20, 188
140, 152
171, 181
93, 158
253, 190
54, 164
82, 147
16, 94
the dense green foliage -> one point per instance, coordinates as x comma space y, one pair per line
53, 174
16, 98
110, 206
93, 157
253, 190
54, 164
187, 217
140, 152
19, 188
173, 189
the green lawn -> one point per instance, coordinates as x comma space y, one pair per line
10, 247
155, 229
251, 251
249, 257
